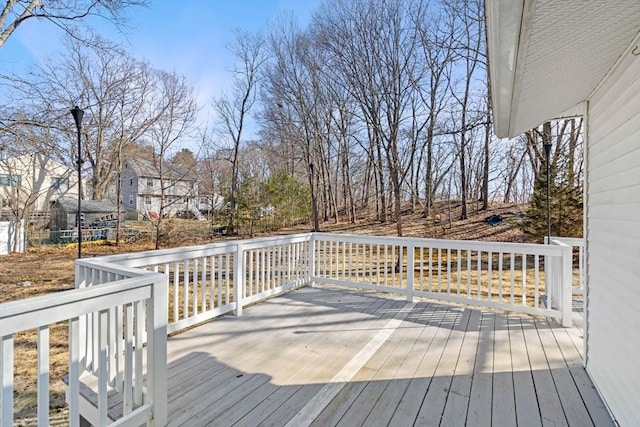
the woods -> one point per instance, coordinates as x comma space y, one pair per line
376, 106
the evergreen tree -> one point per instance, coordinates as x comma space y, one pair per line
566, 206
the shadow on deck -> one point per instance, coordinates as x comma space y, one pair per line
324, 356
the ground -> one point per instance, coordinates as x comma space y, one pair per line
45, 269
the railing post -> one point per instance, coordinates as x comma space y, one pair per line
83, 325
6, 380
566, 285
312, 258
238, 279
157, 309
410, 266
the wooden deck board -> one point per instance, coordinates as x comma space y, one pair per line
455, 410
503, 410
571, 401
325, 356
479, 410
432, 408
526, 403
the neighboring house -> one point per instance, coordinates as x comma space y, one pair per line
146, 189
30, 183
64, 213
558, 59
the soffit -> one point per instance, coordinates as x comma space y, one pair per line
555, 58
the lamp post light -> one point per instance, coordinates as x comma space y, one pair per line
77, 114
547, 151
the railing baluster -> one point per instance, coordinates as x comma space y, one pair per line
220, 280
500, 255
479, 274
43, 375
490, 275
185, 295
119, 349
536, 281
439, 270
227, 294
393, 265
127, 395
212, 282
458, 271
370, 261
512, 268
269, 271
103, 321
203, 285
524, 279
357, 261
137, 378
250, 281
195, 287
176, 290
430, 269
468, 265
448, 271
73, 387
6, 375
344, 260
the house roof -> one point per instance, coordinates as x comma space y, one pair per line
149, 169
88, 206
547, 57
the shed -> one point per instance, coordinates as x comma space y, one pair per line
94, 213
559, 59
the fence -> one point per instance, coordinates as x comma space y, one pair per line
507, 276
125, 305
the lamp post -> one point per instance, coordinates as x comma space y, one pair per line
547, 151
77, 114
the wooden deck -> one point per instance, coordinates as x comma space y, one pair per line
322, 356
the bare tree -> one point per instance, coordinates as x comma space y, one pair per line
174, 102
65, 14
233, 108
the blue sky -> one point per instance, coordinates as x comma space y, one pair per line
185, 36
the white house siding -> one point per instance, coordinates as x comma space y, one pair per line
613, 239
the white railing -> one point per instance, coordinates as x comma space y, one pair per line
199, 283
579, 266
507, 276
202, 279
133, 305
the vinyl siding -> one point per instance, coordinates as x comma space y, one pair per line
613, 240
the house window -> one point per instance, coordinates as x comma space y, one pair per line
130, 182
8, 180
147, 200
60, 183
131, 199
149, 182
5, 203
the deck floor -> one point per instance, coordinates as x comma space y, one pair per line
324, 357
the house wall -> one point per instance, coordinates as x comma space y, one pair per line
613, 240
37, 175
129, 189
179, 194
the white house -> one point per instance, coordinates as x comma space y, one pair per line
30, 183
558, 59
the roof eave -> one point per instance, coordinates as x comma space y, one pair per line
504, 22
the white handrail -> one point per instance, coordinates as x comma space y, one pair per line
42, 312
508, 276
579, 270
181, 287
